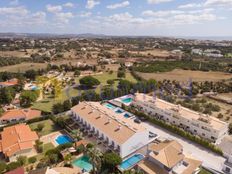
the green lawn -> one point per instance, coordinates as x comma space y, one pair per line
46, 147
49, 127
47, 103
204, 171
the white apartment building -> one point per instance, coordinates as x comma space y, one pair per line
202, 125
118, 133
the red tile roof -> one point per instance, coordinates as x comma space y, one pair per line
17, 138
26, 114
16, 171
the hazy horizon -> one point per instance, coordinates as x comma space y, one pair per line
171, 18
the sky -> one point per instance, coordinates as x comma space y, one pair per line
118, 17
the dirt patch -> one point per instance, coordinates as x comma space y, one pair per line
23, 67
186, 75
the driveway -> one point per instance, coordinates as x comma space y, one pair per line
209, 159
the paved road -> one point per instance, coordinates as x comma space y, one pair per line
210, 160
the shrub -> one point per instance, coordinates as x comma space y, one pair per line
32, 160
13, 165
22, 160
2, 167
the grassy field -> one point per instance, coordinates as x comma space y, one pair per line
46, 147
23, 67
203, 171
185, 75
47, 103
49, 127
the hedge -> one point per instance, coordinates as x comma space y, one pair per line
178, 131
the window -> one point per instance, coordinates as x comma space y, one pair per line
195, 130
227, 169
203, 134
213, 138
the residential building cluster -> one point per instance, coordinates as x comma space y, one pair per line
199, 124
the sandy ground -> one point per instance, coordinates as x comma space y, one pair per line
154, 52
23, 67
186, 75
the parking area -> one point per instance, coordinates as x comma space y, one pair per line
209, 159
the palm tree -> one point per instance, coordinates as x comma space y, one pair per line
95, 158
77, 134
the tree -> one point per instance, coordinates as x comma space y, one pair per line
95, 158
111, 160
7, 95
40, 127
77, 135
13, 165
28, 97
2, 166
32, 160
22, 160
77, 73
67, 105
53, 158
121, 74
230, 128
31, 74
89, 81
68, 158
110, 82
57, 108
39, 146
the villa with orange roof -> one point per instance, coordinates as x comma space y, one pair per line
11, 82
205, 126
17, 141
167, 158
120, 134
16, 115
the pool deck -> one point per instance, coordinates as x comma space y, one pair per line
51, 138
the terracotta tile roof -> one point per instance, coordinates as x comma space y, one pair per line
16, 171
104, 120
192, 165
26, 114
81, 142
151, 168
11, 82
169, 153
17, 138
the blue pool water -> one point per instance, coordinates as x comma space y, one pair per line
63, 139
130, 162
126, 115
109, 106
127, 100
83, 163
119, 111
34, 88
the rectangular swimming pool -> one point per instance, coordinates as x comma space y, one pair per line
63, 139
131, 162
127, 100
83, 163
109, 106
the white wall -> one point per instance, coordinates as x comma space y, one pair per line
137, 141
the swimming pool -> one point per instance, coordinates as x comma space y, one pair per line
63, 139
127, 100
109, 106
119, 111
131, 162
34, 88
83, 163
127, 115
